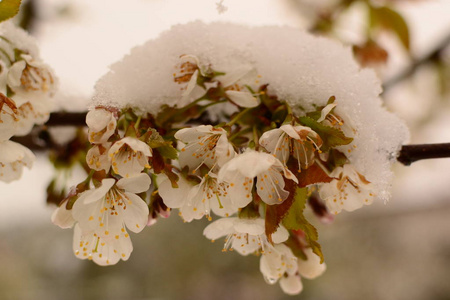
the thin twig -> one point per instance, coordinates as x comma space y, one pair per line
433, 55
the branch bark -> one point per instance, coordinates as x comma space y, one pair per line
411, 153
39, 139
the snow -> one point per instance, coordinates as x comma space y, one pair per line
300, 68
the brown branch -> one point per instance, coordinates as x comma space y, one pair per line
39, 139
411, 153
433, 55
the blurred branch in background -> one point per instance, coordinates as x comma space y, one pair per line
434, 55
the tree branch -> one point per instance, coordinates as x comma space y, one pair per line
411, 153
39, 139
433, 55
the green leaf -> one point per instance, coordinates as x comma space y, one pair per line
391, 20
336, 159
8, 9
332, 137
295, 220
156, 141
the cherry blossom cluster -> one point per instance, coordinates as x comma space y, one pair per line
228, 151
26, 88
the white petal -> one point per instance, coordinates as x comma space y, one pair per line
219, 228
243, 99
291, 285
137, 184
136, 213
280, 236
250, 226
90, 196
62, 217
174, 197
311, 268
15, 73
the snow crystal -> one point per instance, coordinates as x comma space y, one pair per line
300, 68
18, 37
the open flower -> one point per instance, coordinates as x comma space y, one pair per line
186, 76
129, 156
298, 141
102, 250
348, 191
236, 84
204, 145
107, 209
268, 171
13, 157
97, 157
329, 117
102, 125
278, 262
244, 235
30, 75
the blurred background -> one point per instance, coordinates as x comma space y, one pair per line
397, 250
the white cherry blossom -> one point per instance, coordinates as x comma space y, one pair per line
329, 117
298, 141
198, 200
13, 157
31, 75
186, 76
278, 262
107, 209
348, 191
97, 157
102, 125
244, 235
204, 145
235, 83
102, 250
268, 170
129, 156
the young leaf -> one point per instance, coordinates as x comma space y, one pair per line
313, 175
276, 213
331, 137
8, 9
295, 220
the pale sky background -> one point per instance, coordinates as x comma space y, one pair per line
97, 33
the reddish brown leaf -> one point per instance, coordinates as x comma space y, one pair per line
313, 175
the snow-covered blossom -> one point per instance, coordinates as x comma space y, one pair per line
268, 171
13, 157
186, 76
197, 200
348, 191
107, 209
8, 117
299, 141
129, 156
244, 235
204, 145
102, 125
31, 75
97, 157
102, 250
236, 83
329, 117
